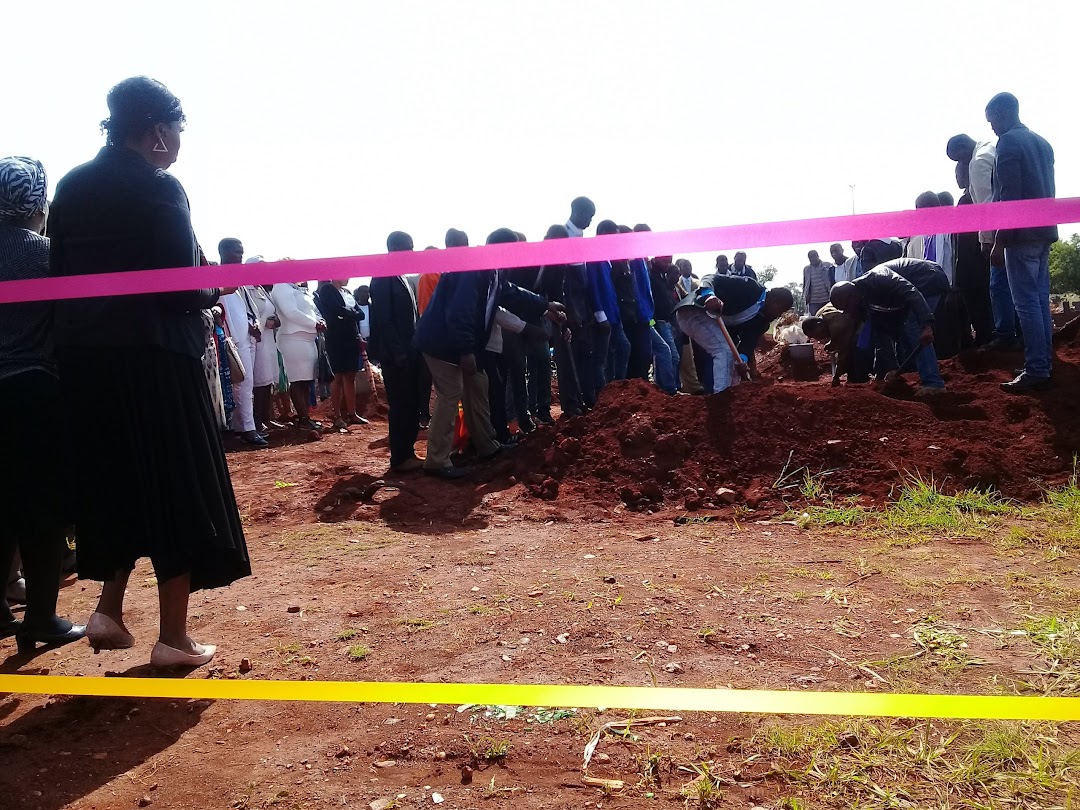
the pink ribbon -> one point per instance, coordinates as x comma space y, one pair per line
961, 219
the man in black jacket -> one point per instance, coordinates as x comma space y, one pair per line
393, 323
1025, 171
745, 308
896, 312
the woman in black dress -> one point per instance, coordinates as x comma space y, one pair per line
148, 471
342, 316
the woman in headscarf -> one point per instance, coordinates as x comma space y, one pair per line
300, 326
149, 478
31, 490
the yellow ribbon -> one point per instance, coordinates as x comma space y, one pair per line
752, 701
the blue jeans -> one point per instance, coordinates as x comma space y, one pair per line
1028, 266
665, 330
664, 363
618, 353
926, 362
1001, 300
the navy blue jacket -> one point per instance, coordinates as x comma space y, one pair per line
926, 276
1024, 171
456, 320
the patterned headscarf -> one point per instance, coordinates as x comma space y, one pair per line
24, 187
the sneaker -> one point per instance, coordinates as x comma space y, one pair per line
1024, 383
929, 391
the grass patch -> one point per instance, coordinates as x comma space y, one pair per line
479, 610
874, 765
1056, 641
349, 633
418, 623
358, 652
808, 573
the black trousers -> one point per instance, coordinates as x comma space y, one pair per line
516, 372
495, 367
403, 399
423, 393
31, 491
538, 364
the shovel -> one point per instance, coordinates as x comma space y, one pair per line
734, 349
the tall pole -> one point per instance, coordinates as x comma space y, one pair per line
852, 187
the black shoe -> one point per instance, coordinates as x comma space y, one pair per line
1003, 344
496, 452
446, 473
54, 634
1024, 383
527, 426
255, 440
544, 417
309, 424
9, 628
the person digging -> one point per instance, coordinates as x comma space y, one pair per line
895, 312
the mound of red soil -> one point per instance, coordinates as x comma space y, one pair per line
654, 451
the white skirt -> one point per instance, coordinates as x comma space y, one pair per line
300, 355
266, 365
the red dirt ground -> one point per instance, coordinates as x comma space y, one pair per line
484, 581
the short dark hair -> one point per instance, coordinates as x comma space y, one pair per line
625, 229
136, 105
814, 324
1006, 103
928, 199
781, 295
501, 236
946, 199
606, 228
960, 143
456, 238
583, 204
398, 241
228, 242
557, 232
641, 227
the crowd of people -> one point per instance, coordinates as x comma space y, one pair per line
145, 387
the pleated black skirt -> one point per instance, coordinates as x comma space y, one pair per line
145, 467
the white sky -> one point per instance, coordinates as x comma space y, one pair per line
315, 129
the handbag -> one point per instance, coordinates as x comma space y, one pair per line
236, 366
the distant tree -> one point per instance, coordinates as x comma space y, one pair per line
1065, 266
797, 294
766, 275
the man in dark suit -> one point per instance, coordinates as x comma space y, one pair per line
393, 323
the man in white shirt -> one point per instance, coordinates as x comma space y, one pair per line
981, 160
241, 316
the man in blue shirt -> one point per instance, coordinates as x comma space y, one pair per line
1025, 171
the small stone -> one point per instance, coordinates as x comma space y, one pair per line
688, 737
144, 801
609, 580
672, 648
466, 774
507, 659
589, 557
475, 589
245, 665
437, 798
440, 755
602, 758
535, 593
661, 644
673, 668
343, 752
562, 638
381, 804
726, 495
293, 609
241, 608
386, 763
430, 717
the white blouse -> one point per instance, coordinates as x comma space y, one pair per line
296, 309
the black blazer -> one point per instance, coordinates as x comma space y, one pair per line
114, 214
393, 319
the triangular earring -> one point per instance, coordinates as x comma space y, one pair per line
160, 147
